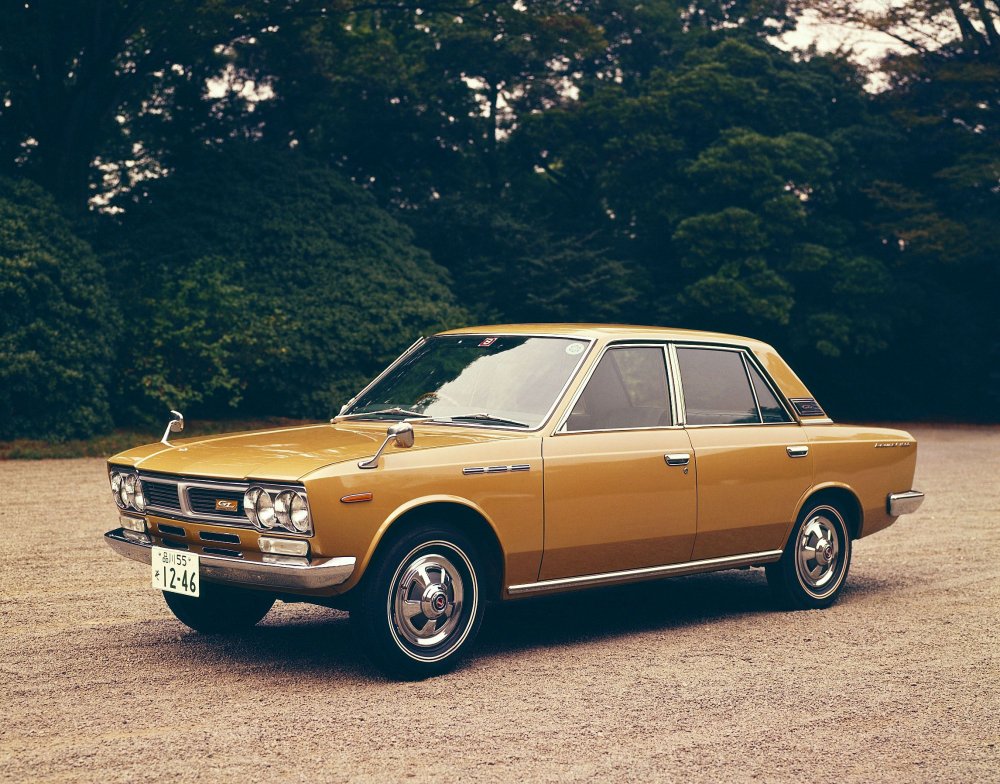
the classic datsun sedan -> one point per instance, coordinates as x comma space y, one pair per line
518, 461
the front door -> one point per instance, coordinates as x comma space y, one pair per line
620, 489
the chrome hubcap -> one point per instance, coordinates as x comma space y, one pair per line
427, 601
817, 555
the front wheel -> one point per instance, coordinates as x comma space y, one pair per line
221, 609
421, 604
814, 565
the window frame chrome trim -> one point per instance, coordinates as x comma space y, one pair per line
653, 343
747, 355
590, 341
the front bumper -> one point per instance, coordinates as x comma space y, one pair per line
280, 572
897, 504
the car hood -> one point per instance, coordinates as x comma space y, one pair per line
287, 454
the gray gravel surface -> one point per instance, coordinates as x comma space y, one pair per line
692, 679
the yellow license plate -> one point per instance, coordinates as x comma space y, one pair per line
176, 571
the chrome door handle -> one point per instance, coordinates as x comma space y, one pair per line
797, 451
679, 459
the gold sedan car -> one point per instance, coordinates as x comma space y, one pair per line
518, 461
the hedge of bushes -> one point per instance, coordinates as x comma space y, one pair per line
188, 304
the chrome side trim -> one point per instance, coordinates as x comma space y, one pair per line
897, 504
499, 469
283, 573
648, 573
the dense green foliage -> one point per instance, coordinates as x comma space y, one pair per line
57, 321
261, 280
285, 193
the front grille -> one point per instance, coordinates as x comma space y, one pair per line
203, 501
161, 494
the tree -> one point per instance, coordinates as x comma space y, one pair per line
58, 326
265, 280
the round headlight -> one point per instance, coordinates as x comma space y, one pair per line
129, 487
138, 497
300, 515
283, 508
116, 488
250, 505
264, 509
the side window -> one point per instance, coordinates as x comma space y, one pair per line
770, 409
716, 387
628, 389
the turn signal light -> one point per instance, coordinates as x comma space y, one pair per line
275, 546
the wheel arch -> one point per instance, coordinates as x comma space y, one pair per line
840, 495
452, 511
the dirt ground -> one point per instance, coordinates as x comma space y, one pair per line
692, 679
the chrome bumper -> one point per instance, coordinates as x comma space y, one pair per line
903, 503
280, 572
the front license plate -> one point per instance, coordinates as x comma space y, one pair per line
176, 571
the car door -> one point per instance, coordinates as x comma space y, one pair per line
620, 489
753, 458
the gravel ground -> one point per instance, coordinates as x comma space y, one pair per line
692, 679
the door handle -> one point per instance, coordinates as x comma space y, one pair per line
797, 451
678, 459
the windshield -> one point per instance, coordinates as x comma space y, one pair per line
509, 381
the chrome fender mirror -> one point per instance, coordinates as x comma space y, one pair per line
175, 425
401, 433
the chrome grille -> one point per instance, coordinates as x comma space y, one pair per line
193, 499
161, 494
203, 501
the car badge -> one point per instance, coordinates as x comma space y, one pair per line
225, 505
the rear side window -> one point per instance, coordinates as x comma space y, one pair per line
716, 388
770, 409
627, 390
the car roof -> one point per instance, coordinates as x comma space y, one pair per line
594, 331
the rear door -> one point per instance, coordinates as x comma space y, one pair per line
752, 457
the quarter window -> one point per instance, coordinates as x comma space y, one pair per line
627, 390
771, 409
716, 387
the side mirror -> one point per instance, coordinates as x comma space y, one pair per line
400, 433
175, 425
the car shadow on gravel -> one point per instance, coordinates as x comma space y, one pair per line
642, 607
308, 640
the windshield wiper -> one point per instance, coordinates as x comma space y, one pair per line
404, 412
486, 418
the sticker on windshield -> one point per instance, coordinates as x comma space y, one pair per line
487, 342
574, 348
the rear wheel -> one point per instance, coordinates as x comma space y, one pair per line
420, 603
813, 568
221, 609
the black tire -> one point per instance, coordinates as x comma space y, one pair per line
420, 605
814, 565
221, 609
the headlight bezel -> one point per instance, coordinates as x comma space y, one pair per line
126, 489
277, 508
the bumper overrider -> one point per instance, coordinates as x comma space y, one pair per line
897, 504
280, 572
